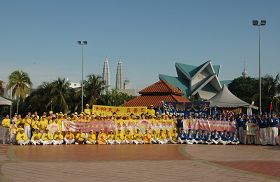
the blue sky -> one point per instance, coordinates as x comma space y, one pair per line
39, 37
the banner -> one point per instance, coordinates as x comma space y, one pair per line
121, 111
187, 108
208, 125
142, 125
87, 126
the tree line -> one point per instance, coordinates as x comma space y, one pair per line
57, 95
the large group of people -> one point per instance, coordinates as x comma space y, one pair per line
33, 129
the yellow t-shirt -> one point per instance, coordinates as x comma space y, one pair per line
6, 123
21, 136
36, 136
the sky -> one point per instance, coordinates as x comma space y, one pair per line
149, 36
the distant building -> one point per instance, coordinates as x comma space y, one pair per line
119, 76
74, 85
106, 74
201, 82
245, 72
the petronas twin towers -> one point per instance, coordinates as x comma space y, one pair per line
119, 75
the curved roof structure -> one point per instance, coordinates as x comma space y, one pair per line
201, 81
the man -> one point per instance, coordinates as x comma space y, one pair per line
36, 137
80, 137
87, 110
147, 137
182, 136
22, 137
91, 138
128, 137
69, 138
102, 137
119, 137
162, 137
47, 137
27, 126
273, 130
138, 137
13, 132
240, 125
173, 136
111, 138
58, 138
6, 123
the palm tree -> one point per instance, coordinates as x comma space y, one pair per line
94, 87
1, 88
58, 94
20, 84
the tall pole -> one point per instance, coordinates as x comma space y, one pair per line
259, 24
82, 44
260, 81
82, 79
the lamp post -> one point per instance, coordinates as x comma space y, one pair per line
259, 23
82, 44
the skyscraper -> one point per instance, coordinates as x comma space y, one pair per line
106, 74
119, 76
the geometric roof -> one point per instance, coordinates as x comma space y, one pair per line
226, 99
155, 94
199, 80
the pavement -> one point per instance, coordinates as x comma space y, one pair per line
139, 163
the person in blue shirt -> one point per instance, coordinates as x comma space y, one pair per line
240, 127
273, 123
223, 136
235, 140
189, 137
262, 124
215, 136
204, 137
182, 136
197, 137
209, 139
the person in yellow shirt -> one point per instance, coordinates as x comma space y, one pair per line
172, 137
91, 138
35, 123
43, 123
87, 110
36, 137
119, 137
111, 138
6, 123
27, 126
155, 137
47, 137
128, 138
138, 137
57, 138
102, 137
147, 137
13, 132
162, 137
80, 137
69, 138
21, 137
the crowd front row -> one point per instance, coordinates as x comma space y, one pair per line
128, 136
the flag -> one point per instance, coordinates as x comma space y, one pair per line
270, 106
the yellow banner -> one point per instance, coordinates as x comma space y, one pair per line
120, 111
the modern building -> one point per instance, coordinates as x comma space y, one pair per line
119, 76
156, 94
200, 82
74, 85
106, 74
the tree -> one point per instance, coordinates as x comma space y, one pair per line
270, 90
20, 84
58, 94
93, 88
244, 88
1, 88
114, 98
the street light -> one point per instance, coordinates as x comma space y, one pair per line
82, 44
259, 23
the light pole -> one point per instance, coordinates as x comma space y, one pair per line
259, 23
82, 44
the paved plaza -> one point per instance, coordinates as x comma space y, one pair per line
139, 163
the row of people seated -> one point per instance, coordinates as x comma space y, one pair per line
127, 137
207, 137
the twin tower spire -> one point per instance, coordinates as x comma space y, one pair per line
119, 75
